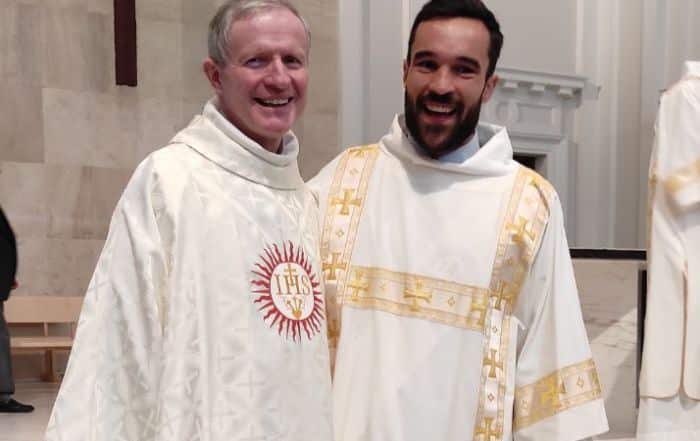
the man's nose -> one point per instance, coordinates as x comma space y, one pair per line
278, 74
441, 82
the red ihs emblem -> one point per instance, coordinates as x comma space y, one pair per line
289, 292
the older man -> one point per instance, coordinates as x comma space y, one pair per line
205, 317
452, 299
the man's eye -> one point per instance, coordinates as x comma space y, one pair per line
426, 65
463, 70
255, 62
293, 62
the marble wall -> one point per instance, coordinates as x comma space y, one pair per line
70, 138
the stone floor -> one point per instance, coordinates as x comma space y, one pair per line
608, 294
31, 426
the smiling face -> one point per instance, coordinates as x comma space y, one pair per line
262, 88
445, 82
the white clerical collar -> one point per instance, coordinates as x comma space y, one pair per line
213, 136
494, 157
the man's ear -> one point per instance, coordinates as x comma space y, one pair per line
489, 87
211, 70
405, 71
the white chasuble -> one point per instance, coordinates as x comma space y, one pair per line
452, 306
670, 379
205, 317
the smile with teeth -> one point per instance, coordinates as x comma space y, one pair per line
278, 102
441, 109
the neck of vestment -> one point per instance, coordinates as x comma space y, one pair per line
493, 158
691, 69
217, 139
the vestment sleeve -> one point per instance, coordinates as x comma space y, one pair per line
557, 390
111, 383
678, 133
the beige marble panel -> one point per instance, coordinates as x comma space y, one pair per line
323, 75
318, 136
81, 200
21, 42
114, 123
32, 266
70, 264
159, 120
23, 197
308, 8
190, 108
194, 44
159, 58
8, 39
21, 129
83, 128
58, 267
199, 12
162, 10
78, 49
101, 6
608, 293
67, 127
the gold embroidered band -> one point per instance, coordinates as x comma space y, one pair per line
524, 223
416, 296
346, 199
683, 177
570, 387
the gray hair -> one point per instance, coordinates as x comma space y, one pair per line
233, 10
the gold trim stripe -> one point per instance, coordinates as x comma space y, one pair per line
559, 391
346, 198
683, 178
523, 225
416, 296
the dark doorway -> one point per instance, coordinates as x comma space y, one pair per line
529, 161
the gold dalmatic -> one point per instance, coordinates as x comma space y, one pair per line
345, 202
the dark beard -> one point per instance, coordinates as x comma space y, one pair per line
460, 133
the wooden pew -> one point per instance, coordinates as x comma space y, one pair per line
43, 311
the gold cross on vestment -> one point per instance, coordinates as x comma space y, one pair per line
551, 395
486, 432
346, 201
358, 284
419, 293
521, 233
480, 308
333, 266
493, 364
503, 293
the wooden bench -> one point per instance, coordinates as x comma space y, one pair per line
43, 311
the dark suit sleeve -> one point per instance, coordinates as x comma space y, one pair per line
8, 257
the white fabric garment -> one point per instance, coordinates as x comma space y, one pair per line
423, 261
204, 319
670, 378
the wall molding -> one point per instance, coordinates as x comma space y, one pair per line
538, 109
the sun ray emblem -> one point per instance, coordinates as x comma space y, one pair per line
289, 293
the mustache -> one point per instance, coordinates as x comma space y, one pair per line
446, 98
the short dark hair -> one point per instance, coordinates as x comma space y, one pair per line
476, 9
